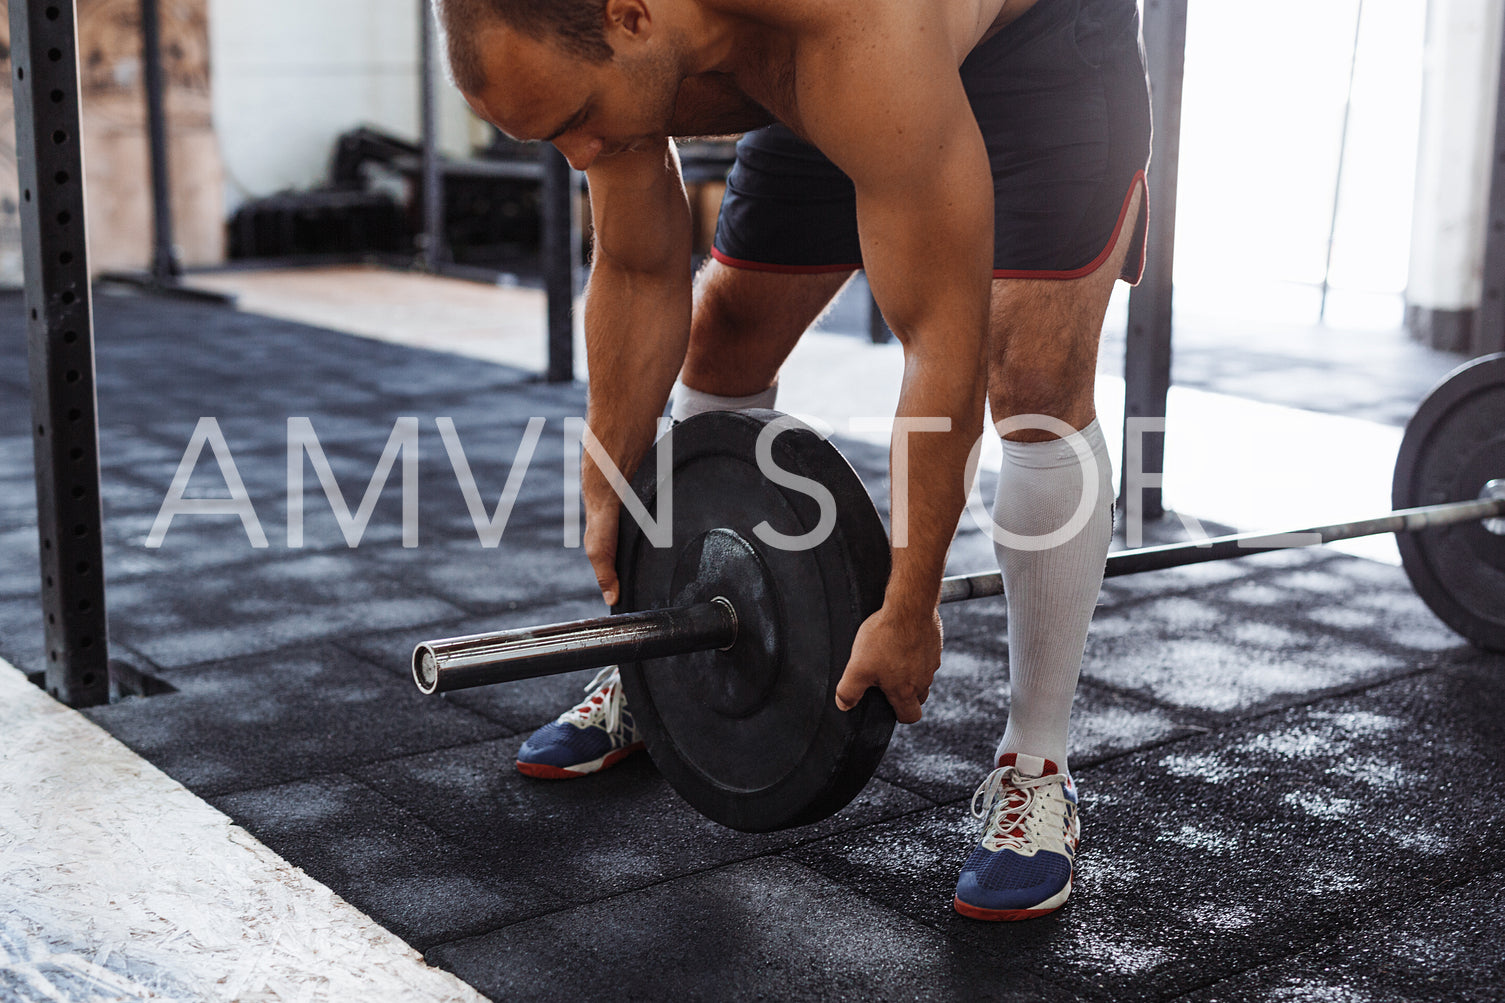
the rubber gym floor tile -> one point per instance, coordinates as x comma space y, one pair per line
251, 407
498, 415
22, 635
982, 622
946, 755
192, 546
17, 449
537, 514
1115, 939
441, 374
250, 722
122, 495
520, 569
1400, 789
538, 517
442, 510
165, 403
763, 929
1446, 950
592, 837
1213, 653
264, 475
1215, 854
260, 606
15, 381
385, 862
1368, 600
18, 501
1120, 592
125, 445
1146, 920
263, 425
20, 567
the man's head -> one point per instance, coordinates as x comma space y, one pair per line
594, 77
576, 26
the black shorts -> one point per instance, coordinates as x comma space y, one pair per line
1063, 104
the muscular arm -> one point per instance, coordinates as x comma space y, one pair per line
884, 101
637, 322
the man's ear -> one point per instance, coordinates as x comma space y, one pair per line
630, 18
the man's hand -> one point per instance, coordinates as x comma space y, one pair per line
899, 654
603, 510
640, 283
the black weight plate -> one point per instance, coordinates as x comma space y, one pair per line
751, 736
1453, 447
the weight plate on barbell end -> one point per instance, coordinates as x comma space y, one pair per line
1453, 448
751, 736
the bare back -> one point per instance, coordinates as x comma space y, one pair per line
760, 90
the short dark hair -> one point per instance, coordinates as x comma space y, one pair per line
577, 26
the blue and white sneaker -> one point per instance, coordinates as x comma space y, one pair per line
1023, 867
596, 733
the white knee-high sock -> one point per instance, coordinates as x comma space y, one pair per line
686, 402
1051, 592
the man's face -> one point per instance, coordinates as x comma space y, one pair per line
537, 91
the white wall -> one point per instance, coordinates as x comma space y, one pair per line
1452, 185
1262, 121
289, 76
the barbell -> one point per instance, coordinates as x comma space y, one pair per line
730, 647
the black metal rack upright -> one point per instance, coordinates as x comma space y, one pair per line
431, 240
561, 262
60, 348
1147, 353
1489, 333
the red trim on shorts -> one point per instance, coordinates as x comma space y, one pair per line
1076, 273
760, 266
1137, 184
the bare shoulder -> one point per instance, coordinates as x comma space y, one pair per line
960, 23
808, 19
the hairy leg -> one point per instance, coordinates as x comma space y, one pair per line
1043, 347
1043, 342
746, 323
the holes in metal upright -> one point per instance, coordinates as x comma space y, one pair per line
44, 54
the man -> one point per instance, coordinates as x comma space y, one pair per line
983, 161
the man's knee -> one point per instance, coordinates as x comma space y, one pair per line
1043, 340
721, 313
1053, 379
745, 324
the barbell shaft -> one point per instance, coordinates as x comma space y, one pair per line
459, 663
1223, 548
482, 659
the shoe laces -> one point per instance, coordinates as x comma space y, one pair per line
604, 703
1020, 811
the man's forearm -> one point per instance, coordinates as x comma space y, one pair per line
928, 496
637, 326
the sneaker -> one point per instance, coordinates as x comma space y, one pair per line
596, 733
1022, 868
